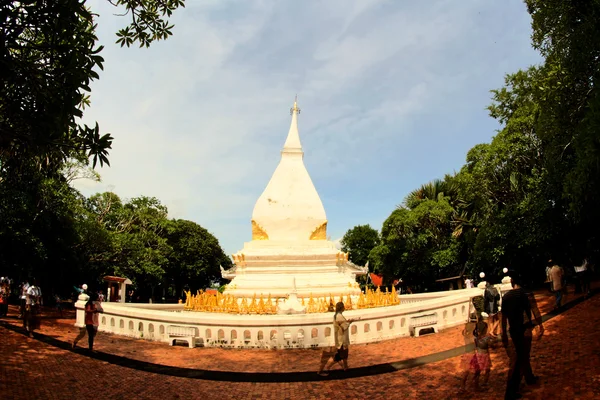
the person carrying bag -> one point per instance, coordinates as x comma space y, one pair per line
341, 331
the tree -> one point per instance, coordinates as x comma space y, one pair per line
49, 56
506, 205
358, 242
533, 192
417, 244
437, 189
147, 23
195, 257
568, 36
136, 240
138, 248
38, 234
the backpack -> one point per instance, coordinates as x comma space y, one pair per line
491, 300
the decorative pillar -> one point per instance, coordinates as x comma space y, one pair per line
506, 280
481, 284
80, 310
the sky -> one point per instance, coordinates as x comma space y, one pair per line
393, 94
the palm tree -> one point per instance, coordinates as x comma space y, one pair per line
444, 189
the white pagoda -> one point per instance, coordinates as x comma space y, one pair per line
289, 252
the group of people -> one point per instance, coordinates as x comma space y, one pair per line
30, 296
556, 276
518, 319
30, 306
480, 335
30, 301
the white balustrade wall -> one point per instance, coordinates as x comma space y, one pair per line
150, 321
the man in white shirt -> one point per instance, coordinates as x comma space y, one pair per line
556, 274
34, 295
33, 300
23, 300
582, 275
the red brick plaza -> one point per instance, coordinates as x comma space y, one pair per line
567, 360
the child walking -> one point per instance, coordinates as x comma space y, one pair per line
90, 326
469, 358
483, 342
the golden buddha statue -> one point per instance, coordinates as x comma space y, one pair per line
311, 304
252, 305
188, 301
260, 307
269, 305
348, 303
323, 306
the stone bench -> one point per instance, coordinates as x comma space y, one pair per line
420, 322
187, 333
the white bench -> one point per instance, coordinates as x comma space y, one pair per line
426, 321
187, 333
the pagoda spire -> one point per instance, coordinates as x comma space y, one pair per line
292, 143
295, 108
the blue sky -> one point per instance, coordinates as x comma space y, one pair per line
393, 95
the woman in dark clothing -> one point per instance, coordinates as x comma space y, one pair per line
491, 298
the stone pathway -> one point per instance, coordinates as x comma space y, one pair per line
567, 360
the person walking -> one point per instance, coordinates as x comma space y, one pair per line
583, 278
90, 324
469, 358
491, 298
557, 274
517, 312
4, 295
23, 300
483, 342
33, 303
341, 333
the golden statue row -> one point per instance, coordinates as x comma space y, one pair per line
225, 303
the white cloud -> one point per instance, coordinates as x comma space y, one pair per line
199, 119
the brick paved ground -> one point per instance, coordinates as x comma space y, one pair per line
567, 360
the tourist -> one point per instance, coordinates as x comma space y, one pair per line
583, 278
517, 312
469, 359
556, 274
327, 355
100, 296
491, 298
90, 324
341, 333
4, 295
469, 283
483, 342
59, 306
33, 302
23, 300
548, 277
